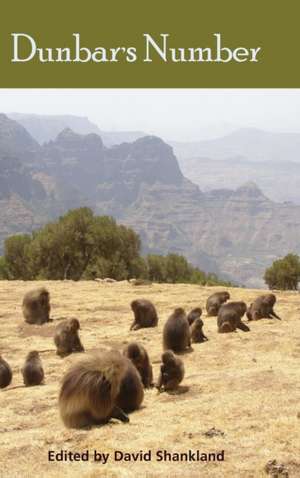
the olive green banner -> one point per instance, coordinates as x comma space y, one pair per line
139, 44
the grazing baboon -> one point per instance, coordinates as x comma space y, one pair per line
176, 333
171, 371
32, 370
197, 335
5, 373
66, 337
145, 314
229, 317
194, 314
36, 306
131, 392
262, 308
93, 389
140, 358
215, 301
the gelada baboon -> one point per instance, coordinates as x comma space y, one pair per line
93, 389
66, 337
176, 332
229, 317
215, 301
171, 371
194, 314
32, 370
5, 373
262, 308
36, 306
197, 335
140, 358
144, 314
131, 392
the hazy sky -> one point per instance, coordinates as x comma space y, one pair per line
175, 114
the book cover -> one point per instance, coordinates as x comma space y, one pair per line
149, 239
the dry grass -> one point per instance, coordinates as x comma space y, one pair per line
245, 384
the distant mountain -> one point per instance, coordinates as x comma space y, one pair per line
46, 127
235, 233
272, 160
29, 196
249, 143
241, 231
22, 198
110, 178
16, 141
111, 138
278, 179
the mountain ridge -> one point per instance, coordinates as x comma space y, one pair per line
250, 143
235, 233
45, 128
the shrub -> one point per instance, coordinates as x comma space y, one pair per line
284, 273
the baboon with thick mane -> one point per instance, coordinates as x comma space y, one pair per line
145, 314
229, 317
99, 387
176, 332
194, 314
66, 337
171, 371
215, 301
140, 358
197, 335
5, 373
36, 306
32, 370
262, 308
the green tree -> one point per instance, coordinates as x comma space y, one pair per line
115, 268
284, 274
138, 268
157, 268
198, 276
4, 273
16, 256
177, 268
80, 245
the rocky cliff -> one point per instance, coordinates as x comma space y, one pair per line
236, 233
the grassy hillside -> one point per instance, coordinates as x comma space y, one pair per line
247, 385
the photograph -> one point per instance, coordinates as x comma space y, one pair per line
149, 273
